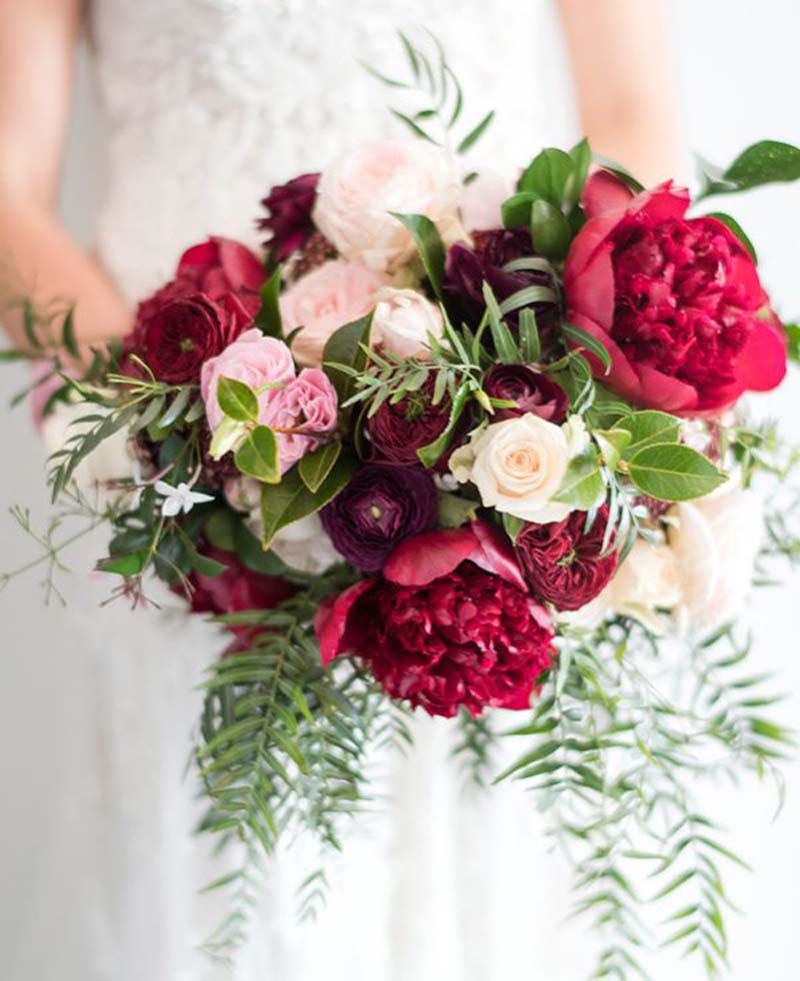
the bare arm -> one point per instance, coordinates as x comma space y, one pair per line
38, 259
625, 89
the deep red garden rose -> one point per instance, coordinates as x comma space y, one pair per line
563, 563
238, 588
177, 334
449, 623
676, 301
531, 390
398, 430
288, 220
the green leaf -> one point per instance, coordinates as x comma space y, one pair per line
619, 171
474, 135
550, 230
512, 526
68, 334
733, 225
582, 339
581, 155
648, 428
268, 318
516, 210
248, 549
123, 565
314, 467
583, 486
793, 341
429, 244
258, 455
766, 162
547, 175
415, 128
428, 455
346, 347
504, 344
219, 530
612, 443
237, 400
673, 472
529, 342
13, 355
455, 511
176, 409
290, 500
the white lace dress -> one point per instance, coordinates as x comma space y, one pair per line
209, 102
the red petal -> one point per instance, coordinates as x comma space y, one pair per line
622, 378
423, 558
330, 622
761, 365
665, 202
604, 192
496, 554
659, 391
240, 265
589, 239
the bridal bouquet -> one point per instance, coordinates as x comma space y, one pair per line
454, 446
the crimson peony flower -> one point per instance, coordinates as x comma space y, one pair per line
237, 589
449, 623
563, 562
288, 220
176, 335
676, 301
398, 431
467, 270
379, 508
532, 391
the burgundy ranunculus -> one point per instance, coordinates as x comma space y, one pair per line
289, 208
563, 563
676, 301
237, 589
398, 431
176, 335
467, 270
449, 623
531, 390
380, 507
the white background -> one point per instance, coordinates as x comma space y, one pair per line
737, 71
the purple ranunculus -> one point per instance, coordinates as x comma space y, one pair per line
467, 270
532, 391
380, 507
289, 208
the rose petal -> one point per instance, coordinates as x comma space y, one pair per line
423, 558
240, 265
330, 623
761, 365
604, 192
496, 554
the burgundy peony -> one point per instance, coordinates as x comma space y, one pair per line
531, 390
467, 270
178, 334
398, 430
564, 563
449, 623
237, 589
380, 507
288, 220
676, 301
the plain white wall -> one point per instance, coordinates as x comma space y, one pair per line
736, 63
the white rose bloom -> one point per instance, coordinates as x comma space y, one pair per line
357, 192
403, 320
518, 465
302, 545
648, 580
112, 460
716, 540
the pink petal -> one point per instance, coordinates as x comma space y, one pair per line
604, 192
423, 558
330, 622
496, 554
665, 202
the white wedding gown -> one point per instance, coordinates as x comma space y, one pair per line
209, 102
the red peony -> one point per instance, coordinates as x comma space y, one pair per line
237, 589
563, 563
288, 220
676, 301
449, 623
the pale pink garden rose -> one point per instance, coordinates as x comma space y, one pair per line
481, 200
308, 403
356, 194
402, 322
253, 359
326, 299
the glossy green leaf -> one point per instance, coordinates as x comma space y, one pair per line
346, 347
583, 486
673, 472
582, 339
237, 400
547, 175
474, 135
612, 443
123, 565
257, 456
550, 230
428, 455
581, 155
429, 245
268, 318
315, 466
529, 342
647, 428
516, 210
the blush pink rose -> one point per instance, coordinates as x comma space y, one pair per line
331, 296
308, 403
253, 359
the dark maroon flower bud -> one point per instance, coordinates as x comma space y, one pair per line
380, 507
531, 390
398, 431
288, 220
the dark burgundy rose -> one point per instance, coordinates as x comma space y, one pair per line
237, 589
467, 270
531, 390
563, 563
448, 623
175, 334
398, 431
380, 507
288, 220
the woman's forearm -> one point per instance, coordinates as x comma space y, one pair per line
39, 261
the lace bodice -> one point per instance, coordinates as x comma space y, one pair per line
211, 101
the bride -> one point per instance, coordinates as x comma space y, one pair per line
208, 103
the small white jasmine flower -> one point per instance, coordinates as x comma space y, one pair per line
180, 498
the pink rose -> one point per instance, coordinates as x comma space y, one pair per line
253, 359
326, 299
308, 403
481, 201
403, 322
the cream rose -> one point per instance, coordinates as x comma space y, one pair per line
518, 465
716, 540
331, 296
356, 194
303, 545
402, 322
